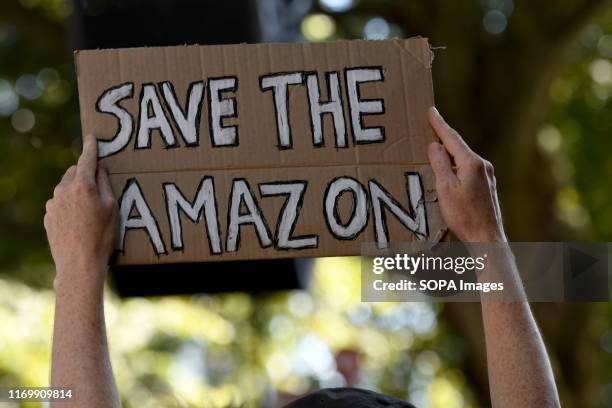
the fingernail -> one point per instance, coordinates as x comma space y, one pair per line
437, 113
435, 147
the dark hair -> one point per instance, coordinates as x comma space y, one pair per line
348, 397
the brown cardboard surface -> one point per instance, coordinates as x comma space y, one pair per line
258, 152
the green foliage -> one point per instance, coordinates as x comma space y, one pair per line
234, 350
34, 55
577, 137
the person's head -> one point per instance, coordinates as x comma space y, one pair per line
347, 397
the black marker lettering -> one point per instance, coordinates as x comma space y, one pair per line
358, 218
241, 193
221, 108
204, 202
362, 107
333, 107
287, 219
149, 101
187, 123
279, 84
131, 198
109, 103
414, 218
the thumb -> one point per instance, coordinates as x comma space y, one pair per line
441, 163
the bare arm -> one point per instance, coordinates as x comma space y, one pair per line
520, 374
81, 225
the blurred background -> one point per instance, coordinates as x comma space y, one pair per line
528, 84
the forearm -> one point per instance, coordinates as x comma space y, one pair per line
520, 374
80, 352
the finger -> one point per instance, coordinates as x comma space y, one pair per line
48, 206
441, 163
68, 175
88, 162
104, 186
453, 142
490, 170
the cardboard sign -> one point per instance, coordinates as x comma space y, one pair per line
263, 151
